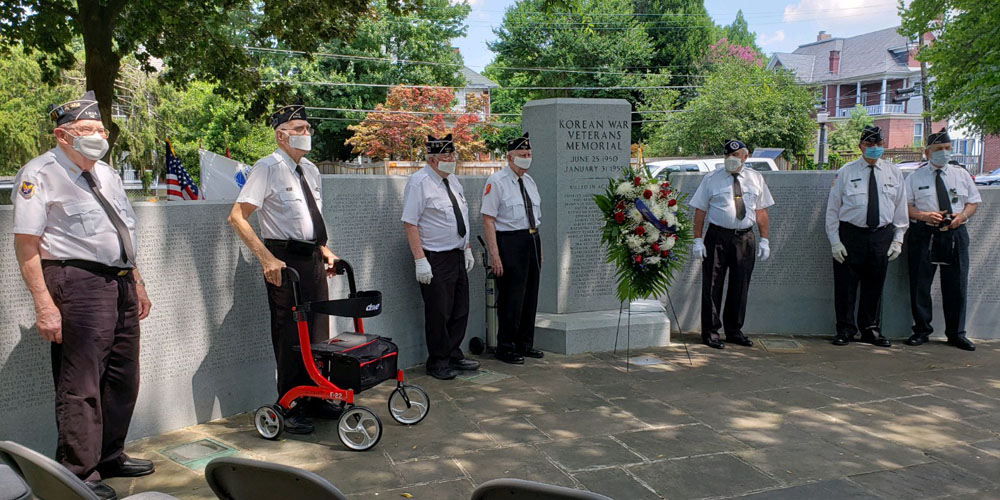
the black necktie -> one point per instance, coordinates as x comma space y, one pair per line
872, 199
529, 210
741, 209
319, 227
124, 238
456, 208
942, 192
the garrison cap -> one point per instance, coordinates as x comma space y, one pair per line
440, 146
519, 143
871, 134
84, 108
734, 146
291, 112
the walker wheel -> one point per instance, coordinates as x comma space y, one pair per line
477, 346
268, 421
359, 428
409, 404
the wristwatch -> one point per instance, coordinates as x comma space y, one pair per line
141, 282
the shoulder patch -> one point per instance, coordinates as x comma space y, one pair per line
488, 188
27, 189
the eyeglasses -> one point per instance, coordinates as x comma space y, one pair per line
85, 131
300, 130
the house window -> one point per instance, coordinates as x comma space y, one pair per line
918, 133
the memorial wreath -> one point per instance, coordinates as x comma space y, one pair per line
646, 232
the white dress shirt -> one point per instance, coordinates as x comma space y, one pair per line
52, 200
848, 200
426, 204
921, 188
274, 187
714, 196
502, 200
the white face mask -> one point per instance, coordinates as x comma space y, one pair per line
522, 163
92, 147
447, 167
940, 157
300, 142
733, 164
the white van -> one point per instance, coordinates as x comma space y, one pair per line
662, 167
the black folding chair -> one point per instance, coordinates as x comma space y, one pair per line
519, 489
234, 478
12, 487
49, 480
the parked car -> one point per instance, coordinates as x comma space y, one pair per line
991, 178
660, 168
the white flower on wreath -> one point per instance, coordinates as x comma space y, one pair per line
634, 242
658, 210
635, 215
652, 234
654, 260
625, 190
668, 243
670, 218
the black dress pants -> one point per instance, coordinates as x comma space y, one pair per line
517, 289
96, 367
732, 253
284, 331
446, 307
954, 280
865, 267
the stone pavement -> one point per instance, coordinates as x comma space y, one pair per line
814, 421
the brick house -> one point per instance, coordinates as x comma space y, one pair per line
865, 70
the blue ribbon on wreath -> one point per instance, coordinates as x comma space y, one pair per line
648, 215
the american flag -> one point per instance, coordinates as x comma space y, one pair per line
179, 184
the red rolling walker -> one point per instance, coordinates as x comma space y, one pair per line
344, 366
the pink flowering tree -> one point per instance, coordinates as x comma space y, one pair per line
722, 51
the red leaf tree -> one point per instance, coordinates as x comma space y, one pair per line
399, 128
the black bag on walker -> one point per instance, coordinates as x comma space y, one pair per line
357, 361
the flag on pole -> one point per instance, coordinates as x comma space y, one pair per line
179, 184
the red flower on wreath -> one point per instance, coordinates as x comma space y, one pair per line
638, 259
664, 193
665, 253
664, 222
640, 230
671, 203
656, 248
637, 181
647, 194
665, 184
620, 205
619, 217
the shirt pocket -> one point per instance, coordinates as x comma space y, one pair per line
84, 217
750, 196
291, 204
856, 193
514, 205
722, 197
889, 193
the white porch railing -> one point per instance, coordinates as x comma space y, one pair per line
876, 109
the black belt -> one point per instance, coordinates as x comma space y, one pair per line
859, 229
730, 231
294, 246
520, 231
94, 267
435, 252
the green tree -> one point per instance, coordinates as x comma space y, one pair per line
681, 31
847, 134
762, 108
738, 32
963, 59
25, 127
196, 39
655, 107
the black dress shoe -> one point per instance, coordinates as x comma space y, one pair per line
297, 424
876, 340
321, 408
841, 340
129, 467
718, 344
532, 353
103, 491
962, 343
743, 341
443, 373
463, 364
916, 339
510, 357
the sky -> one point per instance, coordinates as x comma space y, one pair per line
780, 25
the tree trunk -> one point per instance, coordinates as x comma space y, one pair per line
97, 25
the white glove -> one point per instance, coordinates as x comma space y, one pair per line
470, 261
424, 273
895, 249
763, 250
839, 252
698, 248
